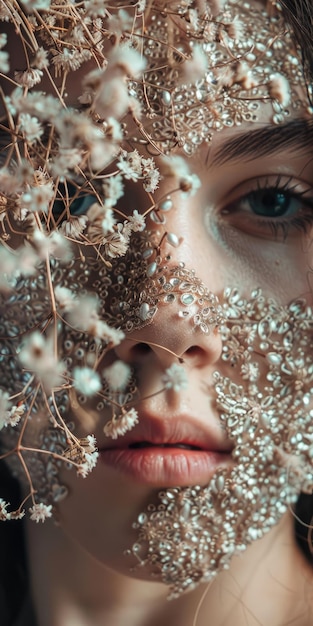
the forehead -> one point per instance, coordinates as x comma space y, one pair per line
216, 66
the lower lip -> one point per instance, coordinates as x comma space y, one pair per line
166, 467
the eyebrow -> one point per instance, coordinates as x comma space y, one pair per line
297, 134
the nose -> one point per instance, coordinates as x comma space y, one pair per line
184, 326
167, 340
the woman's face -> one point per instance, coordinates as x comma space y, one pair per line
245, 230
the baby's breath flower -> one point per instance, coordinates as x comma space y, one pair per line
5, 406
279, 88
37, 198
69, 59
84, 313
113, 336
64, 297
30, 127
113, 129
65, 160
127, 58
40, 512
151, 180
130, 165
37, 354
195, 68
41, 60
7, 181
60, 247
137, 221
117, 375
9, 267
120, 425
74, 227
88, 464
175, 378
9, 415
116, 245
4, 62
95, 8
120, 23
15, 414
113, 190
28, 78
4, 514
86, 381
177, 166
92, 443
104, 215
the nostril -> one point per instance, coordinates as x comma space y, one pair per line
140, 349
193, 351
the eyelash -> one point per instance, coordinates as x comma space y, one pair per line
278, 225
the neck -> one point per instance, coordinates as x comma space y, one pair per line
269, 584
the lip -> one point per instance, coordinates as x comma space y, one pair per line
165, 467
168, 452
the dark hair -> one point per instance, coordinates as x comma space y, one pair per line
13, 562
299, 13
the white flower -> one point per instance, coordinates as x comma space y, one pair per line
137, 221
64, 297
195, 68
9, 415
113, 336
5, 406
108, 220
279, 88
86, 380
36, 5
127, 58
4, 62
113, 190
37, 198
120, 425
92, 443
120, 23
130, 165
15, 414
113, 129
116, 245
4, 514
176, 166
41, 60
84, 314
40, 512
60, 247
31, 127
74, 227
175, 377
95, 8
38, 355
117, 375
151, 180
87, 466
28, 78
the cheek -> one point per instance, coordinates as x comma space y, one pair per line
280, 268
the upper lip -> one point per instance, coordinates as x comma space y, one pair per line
182, 429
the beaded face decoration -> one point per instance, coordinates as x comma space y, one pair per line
78, 273
265, 405
232, 63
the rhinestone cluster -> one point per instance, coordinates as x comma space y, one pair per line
250, 58
265, 405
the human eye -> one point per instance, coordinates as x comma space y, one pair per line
274, 208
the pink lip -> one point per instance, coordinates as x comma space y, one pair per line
165, 467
